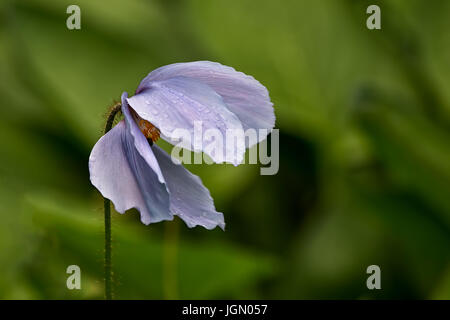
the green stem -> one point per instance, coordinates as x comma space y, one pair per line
108, 271
108, 248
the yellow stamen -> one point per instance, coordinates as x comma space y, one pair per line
149, 130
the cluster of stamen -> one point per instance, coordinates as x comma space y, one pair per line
149, 130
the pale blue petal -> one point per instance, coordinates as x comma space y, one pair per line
110, 172
178, 103
243, 95
140, 142
127, 173
189, 199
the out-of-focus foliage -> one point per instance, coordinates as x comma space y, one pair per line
364, 176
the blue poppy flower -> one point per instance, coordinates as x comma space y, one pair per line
134, 173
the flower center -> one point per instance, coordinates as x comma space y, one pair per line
149, 130
146, 127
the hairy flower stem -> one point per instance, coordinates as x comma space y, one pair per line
108, 271
108, 266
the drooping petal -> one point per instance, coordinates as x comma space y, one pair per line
189, 199
244, 95
184, 103
129, 175
140, 142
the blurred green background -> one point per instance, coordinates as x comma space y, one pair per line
364, 119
